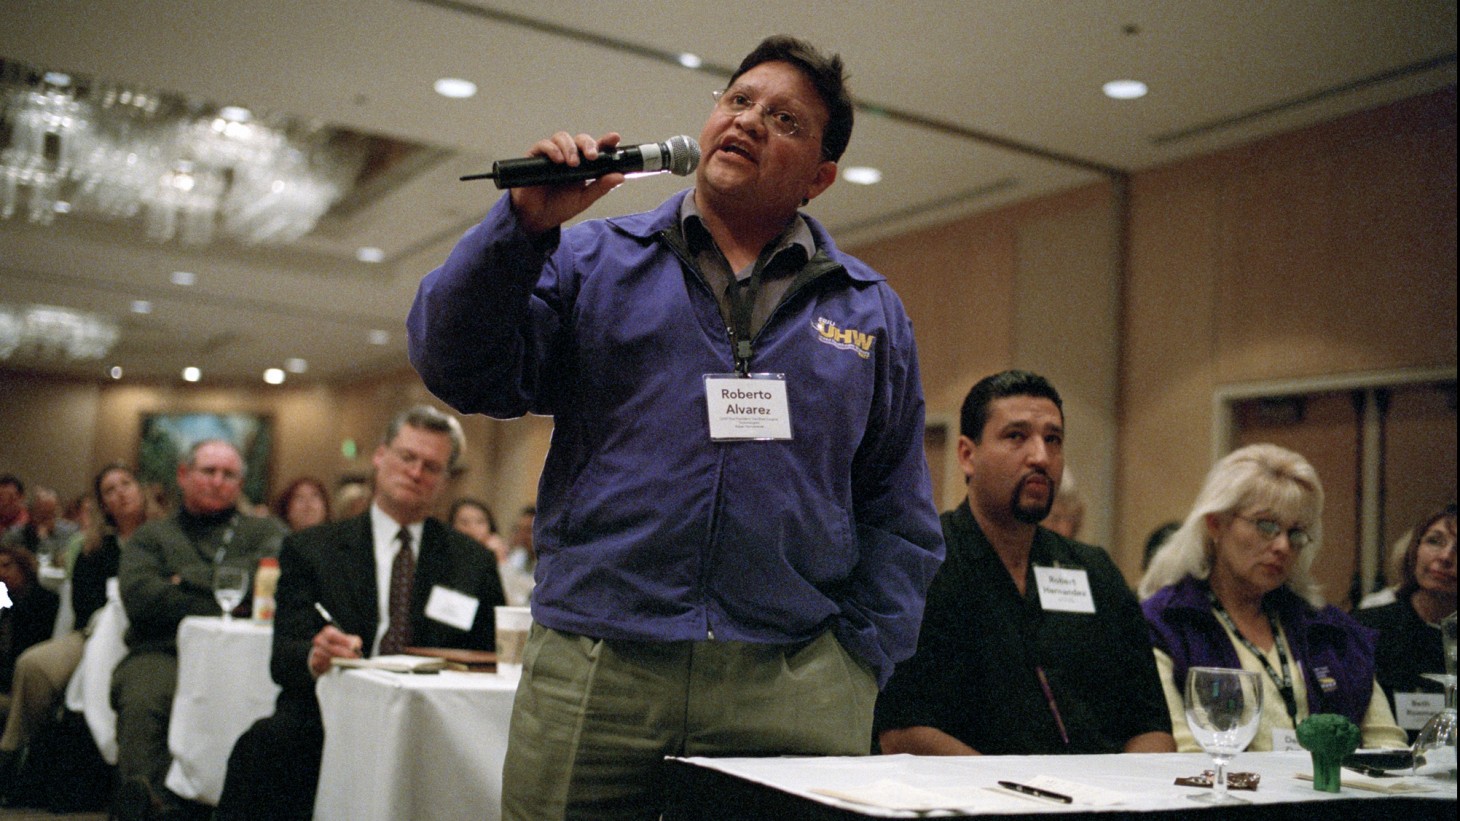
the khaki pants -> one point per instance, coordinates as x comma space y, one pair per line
594, 719
41, 674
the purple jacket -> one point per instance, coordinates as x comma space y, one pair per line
1335, 651
648, 530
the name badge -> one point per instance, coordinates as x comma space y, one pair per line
1412, 710
452, 608
1066, 589
1285, 740
747, 409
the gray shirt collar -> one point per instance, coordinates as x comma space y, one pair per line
798, 233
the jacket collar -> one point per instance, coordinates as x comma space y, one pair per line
1190, 595
646, 225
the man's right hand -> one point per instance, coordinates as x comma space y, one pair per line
330, 643
542, 208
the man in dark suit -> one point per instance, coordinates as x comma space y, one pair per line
358, 571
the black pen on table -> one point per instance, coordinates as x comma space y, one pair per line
1036, 792
330, 620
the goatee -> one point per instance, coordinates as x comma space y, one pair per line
1030, 514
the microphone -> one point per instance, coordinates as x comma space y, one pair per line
677, 155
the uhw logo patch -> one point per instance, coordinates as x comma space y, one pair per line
850, 339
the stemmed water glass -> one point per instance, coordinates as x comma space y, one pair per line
230, 584
1434, 747
1223, 707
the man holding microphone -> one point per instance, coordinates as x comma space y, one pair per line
735, 529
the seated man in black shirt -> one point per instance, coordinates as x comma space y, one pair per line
1031, 643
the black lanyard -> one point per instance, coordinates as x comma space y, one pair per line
742, 299
1285, 683
742, 306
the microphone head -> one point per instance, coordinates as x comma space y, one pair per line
684, 155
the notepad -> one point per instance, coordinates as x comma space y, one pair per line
481, 661
394, 663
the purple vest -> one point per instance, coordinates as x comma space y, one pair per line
1336, 652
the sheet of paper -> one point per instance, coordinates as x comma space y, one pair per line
1084, 794
897, 795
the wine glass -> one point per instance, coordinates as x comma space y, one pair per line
1223, 707
229, 586
1434, 747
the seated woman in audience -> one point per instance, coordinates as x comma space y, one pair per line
1409, 635
1231, 588
41, 673
474, 518
304, 503
31, 617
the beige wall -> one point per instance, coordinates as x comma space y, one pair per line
1327, 251
45, 431
1035, 286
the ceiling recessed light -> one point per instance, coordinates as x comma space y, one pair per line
1124, 89
191, 374
862, 175
184, 277
690, 60
455, 88
61, 207
295, 365
379, 337
370, 254
274, 376
115, 372
141, 306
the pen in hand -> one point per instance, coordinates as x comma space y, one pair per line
1036, 792
330, 620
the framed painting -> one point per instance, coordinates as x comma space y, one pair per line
166, 438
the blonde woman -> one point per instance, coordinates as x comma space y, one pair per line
1232, 588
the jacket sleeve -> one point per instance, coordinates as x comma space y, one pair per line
295, 619
490, 595
479, 333
900, 540
154, 604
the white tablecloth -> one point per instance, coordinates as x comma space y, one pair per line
423, 747
89, 691
223, 687
1144, 781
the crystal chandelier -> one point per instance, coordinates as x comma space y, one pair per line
49, 332
188, 170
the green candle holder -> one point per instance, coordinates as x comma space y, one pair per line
1330, 738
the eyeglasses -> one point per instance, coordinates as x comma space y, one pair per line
1270, 529
777, 120
410, 460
